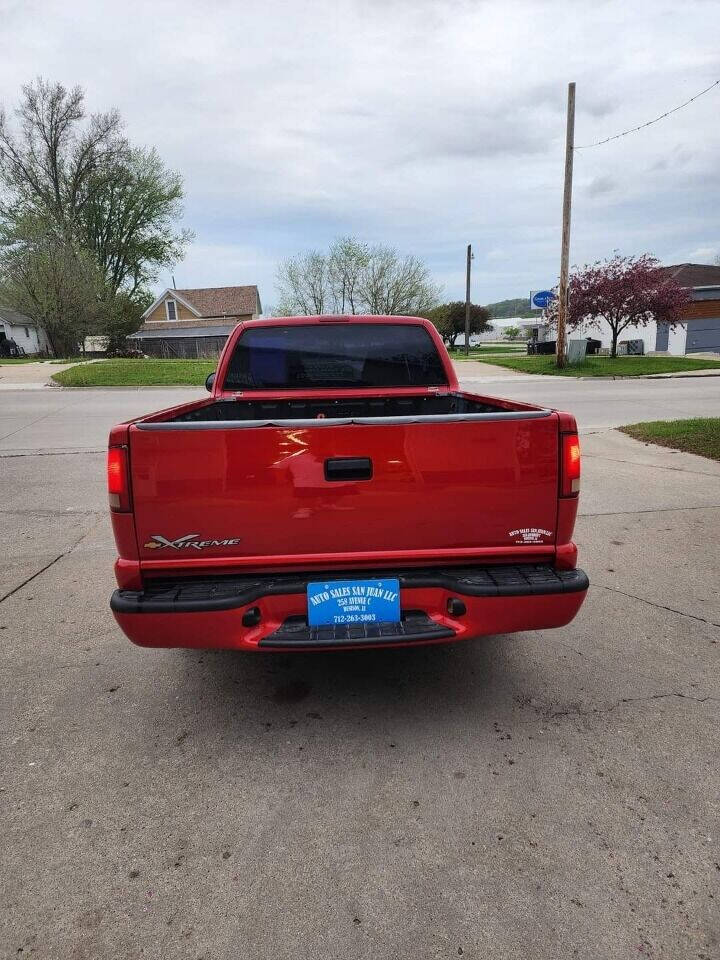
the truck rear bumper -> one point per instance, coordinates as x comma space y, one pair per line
269, 612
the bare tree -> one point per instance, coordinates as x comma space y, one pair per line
49, 167
303, 283
394, 285
348, 260
355, 278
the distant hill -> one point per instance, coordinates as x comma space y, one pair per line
511, 308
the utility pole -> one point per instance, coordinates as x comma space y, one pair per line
467, 301
567, 205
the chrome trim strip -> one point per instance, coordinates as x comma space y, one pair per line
361, 421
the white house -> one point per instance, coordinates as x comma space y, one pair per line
698, 333
27, 333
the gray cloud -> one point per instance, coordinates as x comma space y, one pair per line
599, 186
423, 124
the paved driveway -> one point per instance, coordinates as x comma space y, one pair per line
544, 795
29, 375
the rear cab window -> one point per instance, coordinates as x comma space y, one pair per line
334, 355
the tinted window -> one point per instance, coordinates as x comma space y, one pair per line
341, 355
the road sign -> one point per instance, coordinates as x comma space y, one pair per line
539, 299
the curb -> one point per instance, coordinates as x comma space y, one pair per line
129, 387
651, 376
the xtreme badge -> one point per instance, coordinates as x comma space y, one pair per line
191, 541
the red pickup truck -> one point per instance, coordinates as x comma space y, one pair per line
338, 490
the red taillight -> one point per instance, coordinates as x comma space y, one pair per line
570, 479
117, 478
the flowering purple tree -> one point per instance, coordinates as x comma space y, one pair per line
623, 291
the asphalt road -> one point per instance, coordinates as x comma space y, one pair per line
54, 419
545, 795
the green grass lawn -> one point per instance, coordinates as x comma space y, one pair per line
137, 373
479, 353
9, 360
700, 436
605, 366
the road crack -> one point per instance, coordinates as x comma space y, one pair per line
630, 513
598, 711
52, 453
651, 466
659, 696
658, 606
47, 566
53, 513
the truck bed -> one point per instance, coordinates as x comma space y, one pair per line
257, 411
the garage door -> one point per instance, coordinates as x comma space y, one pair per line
703, 335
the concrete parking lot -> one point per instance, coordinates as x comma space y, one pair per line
545, 795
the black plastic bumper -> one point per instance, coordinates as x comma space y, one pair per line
205, 594
415, 626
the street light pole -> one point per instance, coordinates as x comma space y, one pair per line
565, 250
467, 300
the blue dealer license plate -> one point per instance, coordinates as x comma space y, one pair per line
353, 601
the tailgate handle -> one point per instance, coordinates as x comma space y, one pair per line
348, 468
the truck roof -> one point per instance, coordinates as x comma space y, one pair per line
338, 318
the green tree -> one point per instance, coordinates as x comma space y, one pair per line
129, 220
73, 190
122, 316
50, 279
512, 333
449, 319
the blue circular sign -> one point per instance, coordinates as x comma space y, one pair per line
542, 298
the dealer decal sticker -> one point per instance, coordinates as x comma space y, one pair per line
530, 535
191, 541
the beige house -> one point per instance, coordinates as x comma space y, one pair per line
195, 323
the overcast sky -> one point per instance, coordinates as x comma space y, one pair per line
426, 124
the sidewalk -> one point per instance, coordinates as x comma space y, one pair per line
475, 370
30, 376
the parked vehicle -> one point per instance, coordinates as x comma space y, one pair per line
9, 348
339, 490
543, 347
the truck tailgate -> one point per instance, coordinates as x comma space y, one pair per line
266, 494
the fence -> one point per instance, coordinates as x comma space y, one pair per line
184, 348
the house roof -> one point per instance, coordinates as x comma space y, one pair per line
694, 274
8, 315
214, 301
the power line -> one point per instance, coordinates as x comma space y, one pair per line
642, 126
